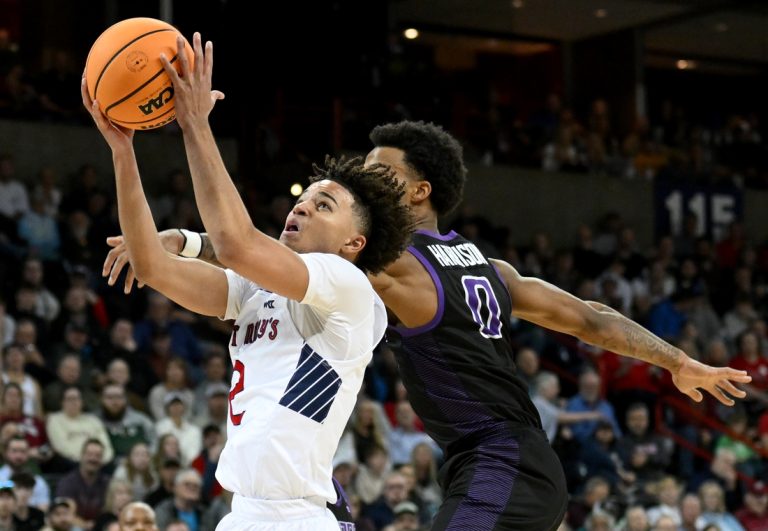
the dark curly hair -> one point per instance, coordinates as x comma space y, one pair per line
433, 153
384, 221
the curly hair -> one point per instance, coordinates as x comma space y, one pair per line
433, 153
384, 221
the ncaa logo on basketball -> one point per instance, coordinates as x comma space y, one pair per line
136, 61
155, 103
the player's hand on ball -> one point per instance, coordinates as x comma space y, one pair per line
117, 137
192, 88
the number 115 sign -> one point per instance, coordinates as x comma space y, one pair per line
714, 208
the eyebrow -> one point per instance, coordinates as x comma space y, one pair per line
329, 196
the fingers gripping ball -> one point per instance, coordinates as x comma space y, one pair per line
125, 75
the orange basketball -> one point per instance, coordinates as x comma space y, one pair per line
125, 75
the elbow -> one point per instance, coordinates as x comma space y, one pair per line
144, 269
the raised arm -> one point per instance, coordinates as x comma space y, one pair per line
177, 278
546, 305
237, 243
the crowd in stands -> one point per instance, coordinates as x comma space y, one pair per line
108, 398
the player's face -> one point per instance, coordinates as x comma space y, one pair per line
322, 220
395, 159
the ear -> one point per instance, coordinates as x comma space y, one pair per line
418, 191
354, 245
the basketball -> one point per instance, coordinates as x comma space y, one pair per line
125, 75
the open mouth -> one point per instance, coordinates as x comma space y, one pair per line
291, 228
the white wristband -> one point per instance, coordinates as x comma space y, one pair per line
193, 244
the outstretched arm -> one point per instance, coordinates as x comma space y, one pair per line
238, 244
177, 278
594, 323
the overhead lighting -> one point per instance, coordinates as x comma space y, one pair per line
601, 13
411, 33
296, 189
685, 64
721, 27
518, 4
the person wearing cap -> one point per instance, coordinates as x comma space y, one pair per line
754, 514
26, 517
406, 517
216, 408
7, 505
61, 515
190, 436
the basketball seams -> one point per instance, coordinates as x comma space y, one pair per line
114, 56
137, 89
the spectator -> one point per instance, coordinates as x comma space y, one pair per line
382, 511
668, 494
119, 494
47, 192
372, 474
367, 429
722, 470
754, 514
183, 341
136, 469
167, 448
206, 462
13, 372
175, 383
11, 410
220, 507
16, 458
7, 505
596, 492
185, 504
406, 517
690, 513
126, 427
47, 306
61, 516
644, 453
69, 372
404, 438
87, 484
190, 437
546, 391
118, 372
70, 429
217, 410
26, 518
635, 519
599, 456
215, 374
7, 326
14, 201
426, 488
40, 232
167, 472
589, 399
713, 504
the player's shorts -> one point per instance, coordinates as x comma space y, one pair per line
249, 514
507, 479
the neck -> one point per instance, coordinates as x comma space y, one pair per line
177, 421
88, 475
424, 219
22, 511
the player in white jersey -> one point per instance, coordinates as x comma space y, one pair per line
306, 317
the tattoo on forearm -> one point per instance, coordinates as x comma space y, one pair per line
207, 252
635, 341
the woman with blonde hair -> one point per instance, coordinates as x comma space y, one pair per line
369, 429
136, 469
168, 447
713, 508
119, 494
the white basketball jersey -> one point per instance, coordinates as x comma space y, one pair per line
298, 367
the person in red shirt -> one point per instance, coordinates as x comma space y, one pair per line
754, 514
